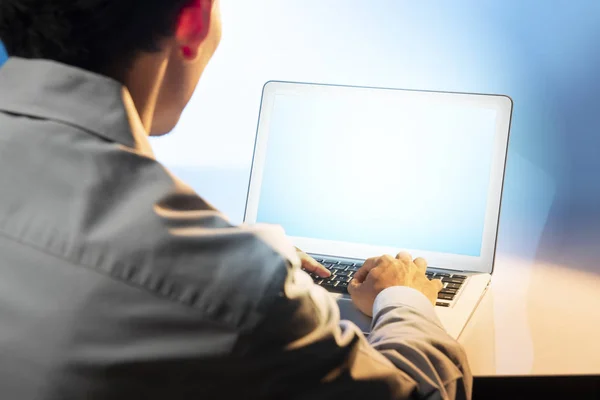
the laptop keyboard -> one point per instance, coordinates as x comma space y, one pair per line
342, 273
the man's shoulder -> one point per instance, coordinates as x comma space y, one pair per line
167, 239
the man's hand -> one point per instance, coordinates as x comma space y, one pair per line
311, 265
383, 272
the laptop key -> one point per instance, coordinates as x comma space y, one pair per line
459, 277
453, 286
443, 296
328, 285
339, 267
442, 275
342, 287
449, 291
353, 269
452, 280
442, 304
347, 264
344, 273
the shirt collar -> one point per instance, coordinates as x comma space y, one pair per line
97, 104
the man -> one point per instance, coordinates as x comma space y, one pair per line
119, 282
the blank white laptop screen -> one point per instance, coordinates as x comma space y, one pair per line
381, 168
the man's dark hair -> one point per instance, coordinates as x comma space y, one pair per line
98, 35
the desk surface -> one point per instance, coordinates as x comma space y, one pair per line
537, 319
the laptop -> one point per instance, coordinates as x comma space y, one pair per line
356, 172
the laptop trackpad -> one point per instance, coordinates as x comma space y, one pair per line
349, 312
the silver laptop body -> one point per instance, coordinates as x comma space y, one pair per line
354, 172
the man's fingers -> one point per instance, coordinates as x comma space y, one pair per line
421, 264
362, 273
404, 257
311, 265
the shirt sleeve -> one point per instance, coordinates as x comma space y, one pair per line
305, 349
407, 331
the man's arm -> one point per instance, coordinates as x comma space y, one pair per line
407, 331
307, 352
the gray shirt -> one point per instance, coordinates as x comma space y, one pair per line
117, 281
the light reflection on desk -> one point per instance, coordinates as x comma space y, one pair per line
550, 326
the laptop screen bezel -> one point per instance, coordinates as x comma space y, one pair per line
484, 263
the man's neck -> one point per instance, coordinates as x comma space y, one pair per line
144, 80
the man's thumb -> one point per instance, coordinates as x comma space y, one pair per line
353, 286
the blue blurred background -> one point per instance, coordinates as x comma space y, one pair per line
545, 55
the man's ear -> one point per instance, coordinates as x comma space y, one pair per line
193, 26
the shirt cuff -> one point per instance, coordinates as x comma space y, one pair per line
402, 296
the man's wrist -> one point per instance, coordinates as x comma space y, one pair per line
403, 296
